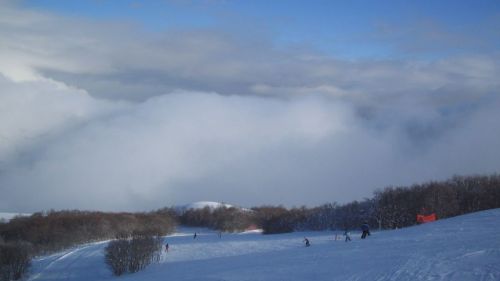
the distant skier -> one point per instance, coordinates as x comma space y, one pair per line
220, 234
166, 247
366, 230
347, 235
307, 242
195, 235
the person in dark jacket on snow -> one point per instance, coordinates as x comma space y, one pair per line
307, 242
347, 235
366, 230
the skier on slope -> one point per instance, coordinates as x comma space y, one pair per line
366, 230
166, 247
347, 235
307, 242
195, 235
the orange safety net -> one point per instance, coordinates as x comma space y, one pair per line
424, 219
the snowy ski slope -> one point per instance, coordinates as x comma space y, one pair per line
461, 248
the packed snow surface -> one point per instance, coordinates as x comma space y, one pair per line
461, 248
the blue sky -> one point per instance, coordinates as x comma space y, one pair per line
346, 29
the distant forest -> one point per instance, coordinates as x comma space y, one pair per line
25, 237
392, 207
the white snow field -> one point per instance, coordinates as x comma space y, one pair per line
460, 248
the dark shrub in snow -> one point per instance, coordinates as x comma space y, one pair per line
14, 260
132, 255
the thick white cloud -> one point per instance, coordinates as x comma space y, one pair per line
32, 112
100, 115
146, 150
191, 146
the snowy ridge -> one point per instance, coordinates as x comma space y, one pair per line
460, 248
5, 217
203, 204
210, 204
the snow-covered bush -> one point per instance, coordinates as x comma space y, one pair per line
117, 256
14, 260
132, 255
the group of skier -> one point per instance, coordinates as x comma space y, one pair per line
365, 228
195, 235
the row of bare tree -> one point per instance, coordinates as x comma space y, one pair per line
392, 207
41, 233
225, 219
398, 206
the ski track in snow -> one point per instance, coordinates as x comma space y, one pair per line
462, 248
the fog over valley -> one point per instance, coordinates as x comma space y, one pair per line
112, 114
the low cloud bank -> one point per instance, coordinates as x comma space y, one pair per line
115, 119
183, 147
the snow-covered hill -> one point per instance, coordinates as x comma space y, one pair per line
5, 217
202, 204
461, 248
209, 204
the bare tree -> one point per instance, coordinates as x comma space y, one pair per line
14, 260
132, 255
